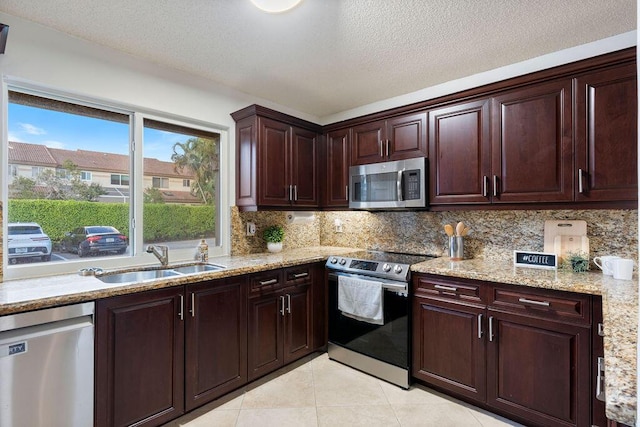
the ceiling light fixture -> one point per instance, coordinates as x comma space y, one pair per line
275, 6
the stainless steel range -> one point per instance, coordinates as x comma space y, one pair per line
369, 312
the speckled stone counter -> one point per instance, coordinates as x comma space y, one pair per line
620, 311
34, 294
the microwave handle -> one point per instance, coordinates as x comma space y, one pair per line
399, 185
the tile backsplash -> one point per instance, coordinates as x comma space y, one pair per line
494, 234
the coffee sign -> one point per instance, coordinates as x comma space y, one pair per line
535, 260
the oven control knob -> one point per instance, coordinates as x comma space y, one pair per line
397, 269
343, 261
334, 260
386, 268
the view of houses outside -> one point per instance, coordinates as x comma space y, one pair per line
70, 169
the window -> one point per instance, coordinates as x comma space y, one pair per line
117, 179
160, 182
89, 176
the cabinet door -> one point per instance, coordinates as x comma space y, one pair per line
539, 370
460, 153
607, 135
140, 358
366, 143
449, 346
337, 180
273, 169
216, 339
304, 170
407, 137
265, 334
297, 323
532, 147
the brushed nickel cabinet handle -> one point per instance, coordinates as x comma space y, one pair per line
181, 312
490, 328
485, 186
193, 304
446, 288
381, 149
346, 192
580, 176
495, 185
268, 282
600, 380
282, 305
388, 148
480, 325
288, 303
295, 193
533, 302
300, 275
290, 192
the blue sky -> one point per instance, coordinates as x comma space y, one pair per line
72, 132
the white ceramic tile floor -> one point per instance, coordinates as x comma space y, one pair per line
317, 391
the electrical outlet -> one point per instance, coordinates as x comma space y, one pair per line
251, 229
338, 227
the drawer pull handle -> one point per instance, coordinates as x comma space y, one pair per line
479, 325
300, 275
580, 187
268, 282
446, 288
282, 308
181, 311
533, 302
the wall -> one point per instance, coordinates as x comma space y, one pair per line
494, 234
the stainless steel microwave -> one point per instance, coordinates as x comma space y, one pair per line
401, 184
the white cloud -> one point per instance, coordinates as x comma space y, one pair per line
31, 129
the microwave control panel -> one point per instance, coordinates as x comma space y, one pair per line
411, 185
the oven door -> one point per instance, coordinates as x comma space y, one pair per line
389, 342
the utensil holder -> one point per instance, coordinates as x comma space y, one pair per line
456, 248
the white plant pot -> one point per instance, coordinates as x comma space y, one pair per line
274, 247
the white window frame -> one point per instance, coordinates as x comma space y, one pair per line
121, 175
162, 180
86, 176
139, 256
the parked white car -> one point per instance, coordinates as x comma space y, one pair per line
26, 240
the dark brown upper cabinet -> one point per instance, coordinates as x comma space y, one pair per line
460, 153
396, 138
606, 135
531, 145
336, 182
276, 160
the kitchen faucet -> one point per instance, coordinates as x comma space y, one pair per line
161, 252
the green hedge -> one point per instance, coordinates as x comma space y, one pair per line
163, 222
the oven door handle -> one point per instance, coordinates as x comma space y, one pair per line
386, 284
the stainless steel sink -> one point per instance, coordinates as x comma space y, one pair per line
137, 276
198, 268
158, 273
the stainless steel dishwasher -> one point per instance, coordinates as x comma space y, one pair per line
46, 367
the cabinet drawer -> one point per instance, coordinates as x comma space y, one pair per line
298, 274
556, 305
265, 281
451, 289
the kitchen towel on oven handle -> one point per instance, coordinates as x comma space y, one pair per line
361, 299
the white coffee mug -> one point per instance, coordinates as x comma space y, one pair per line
622, 268
604, 263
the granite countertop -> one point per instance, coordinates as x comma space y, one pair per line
619, 306
43, 292
619, 300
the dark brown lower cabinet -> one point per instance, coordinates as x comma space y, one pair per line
139, 358
216, 340
522, 352
161, 353
279, 329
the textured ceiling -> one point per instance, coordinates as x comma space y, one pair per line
328, 56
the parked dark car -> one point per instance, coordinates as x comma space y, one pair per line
27, 241
93, 240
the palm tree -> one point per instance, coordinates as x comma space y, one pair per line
200, 156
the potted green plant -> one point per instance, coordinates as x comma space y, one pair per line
577, 261
274, 235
